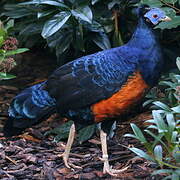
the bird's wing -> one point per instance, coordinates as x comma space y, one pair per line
88, 80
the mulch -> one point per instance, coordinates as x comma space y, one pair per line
35, 156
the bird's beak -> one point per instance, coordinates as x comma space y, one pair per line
166, 19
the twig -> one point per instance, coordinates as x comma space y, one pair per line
13, 161
101, 162
167, 4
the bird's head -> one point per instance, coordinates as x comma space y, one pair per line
153, 16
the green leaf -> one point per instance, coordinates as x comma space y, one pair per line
102, 40
32, 29
170, 24
55, 23
142, 154
3, 33
178, 62
47, 2
45, 13
130, 135
17, 51
152, 3
5, 76
86, 133
94, 1
176, 109
15, 12
1, 41
9, 24
162, 106
64, 43
84, 13
158, 153
138, 133
63, 129
170, 121
162, 127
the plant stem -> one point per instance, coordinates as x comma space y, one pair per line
169, 5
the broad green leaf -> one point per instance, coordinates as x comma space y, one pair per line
86, 133
64, 44
170, 121
63, 129
174, 137
176, 109
33, 28
142, 154
158, 153
45, 13
130, 135
17, 12
102, 40
147, 102
47, 2
9, 24
94, 1
156, 137
55, 23
139, 135
178, 62
162, 105
1, 41
5, 76
152, 3
84, 13
170, 24
3, 33
17, 51
162, 127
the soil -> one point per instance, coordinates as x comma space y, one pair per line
35, 156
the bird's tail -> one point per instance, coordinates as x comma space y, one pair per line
30, 107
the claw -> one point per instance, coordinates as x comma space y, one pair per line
65, 155
107, 168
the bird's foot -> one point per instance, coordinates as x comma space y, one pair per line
108, 169
68, 164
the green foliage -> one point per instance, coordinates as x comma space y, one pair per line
6, 53
62, 132
168, 92
76, 27
70, 26
164, 130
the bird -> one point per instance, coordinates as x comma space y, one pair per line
95, 88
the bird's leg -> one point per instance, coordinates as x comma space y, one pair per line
107, 168
66, 153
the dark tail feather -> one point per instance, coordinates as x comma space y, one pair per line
15, 126
28, 108
9, 130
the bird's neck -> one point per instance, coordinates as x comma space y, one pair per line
143, 37
148, 51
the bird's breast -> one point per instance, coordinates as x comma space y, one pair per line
129, 94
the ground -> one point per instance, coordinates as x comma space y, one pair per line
34, 156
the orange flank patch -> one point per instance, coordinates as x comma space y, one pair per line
121, 101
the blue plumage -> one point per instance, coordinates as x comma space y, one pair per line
75, 86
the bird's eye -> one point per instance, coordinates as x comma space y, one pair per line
155, 15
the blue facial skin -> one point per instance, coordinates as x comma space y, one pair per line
155, 15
